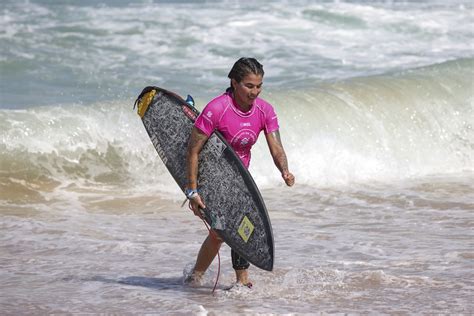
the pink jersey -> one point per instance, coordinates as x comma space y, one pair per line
240, 129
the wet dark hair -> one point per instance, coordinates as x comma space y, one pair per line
242, 68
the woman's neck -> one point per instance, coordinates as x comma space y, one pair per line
241, 105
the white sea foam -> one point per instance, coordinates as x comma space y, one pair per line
378, 128
190, 46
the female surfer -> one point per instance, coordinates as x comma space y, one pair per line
239, 115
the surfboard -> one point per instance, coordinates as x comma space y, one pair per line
234, 206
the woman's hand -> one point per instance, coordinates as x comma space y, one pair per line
279, 157
197, 205
289, 178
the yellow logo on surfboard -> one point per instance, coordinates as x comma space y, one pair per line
246, 229
145, 102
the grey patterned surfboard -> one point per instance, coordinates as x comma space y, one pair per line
234, 206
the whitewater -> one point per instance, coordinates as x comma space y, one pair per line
375, 103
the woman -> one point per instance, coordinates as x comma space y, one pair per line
239, 115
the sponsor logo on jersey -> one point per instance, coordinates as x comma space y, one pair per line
244, 138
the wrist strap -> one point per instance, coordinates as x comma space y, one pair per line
190, 193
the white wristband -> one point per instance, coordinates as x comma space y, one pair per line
190, 193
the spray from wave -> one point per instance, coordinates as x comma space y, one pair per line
376, 128
409, 124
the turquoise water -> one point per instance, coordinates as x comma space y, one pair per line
375, 102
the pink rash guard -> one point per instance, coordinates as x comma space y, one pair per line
240, 129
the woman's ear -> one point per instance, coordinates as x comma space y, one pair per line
234, 83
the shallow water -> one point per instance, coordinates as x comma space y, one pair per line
403, 247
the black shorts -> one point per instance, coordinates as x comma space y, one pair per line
239, 263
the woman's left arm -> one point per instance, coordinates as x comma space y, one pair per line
279, 156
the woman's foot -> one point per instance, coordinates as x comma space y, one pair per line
237, 286
194, 279
242, 277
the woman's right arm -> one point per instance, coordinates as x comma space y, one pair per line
196, 142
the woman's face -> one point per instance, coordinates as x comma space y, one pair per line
246, 91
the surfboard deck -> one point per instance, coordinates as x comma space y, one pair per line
234, 206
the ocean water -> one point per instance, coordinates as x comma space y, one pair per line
375, 102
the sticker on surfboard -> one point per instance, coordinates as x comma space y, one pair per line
216, 146
145, 101
246, 229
